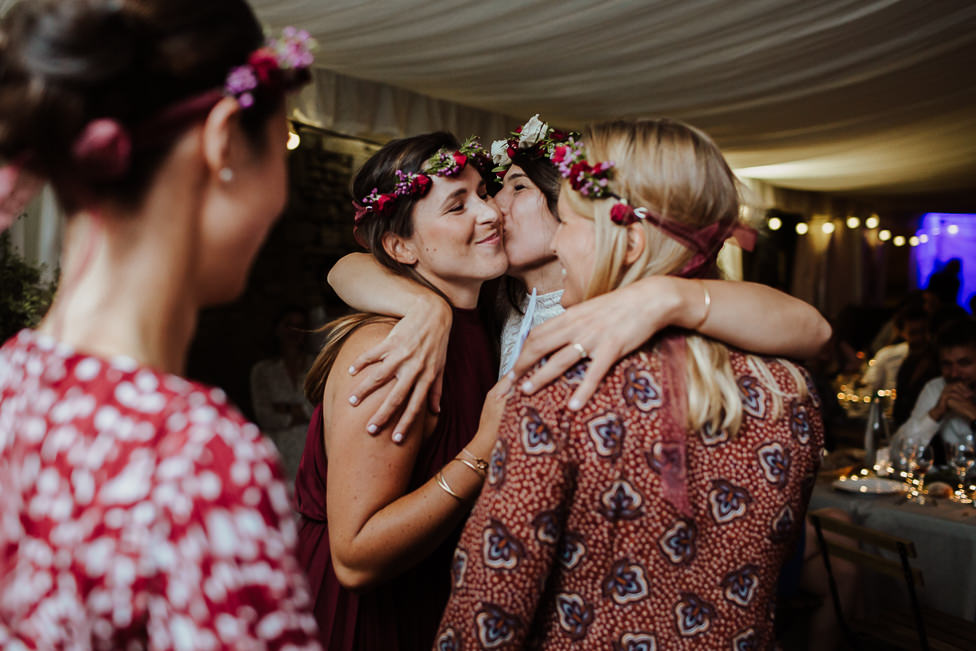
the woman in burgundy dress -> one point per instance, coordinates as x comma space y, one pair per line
659, 514
380, 515
139, 509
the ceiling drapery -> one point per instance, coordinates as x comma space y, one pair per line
831, 95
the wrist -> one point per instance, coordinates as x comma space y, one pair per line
688, 309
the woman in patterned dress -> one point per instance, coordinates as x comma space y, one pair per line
659, 514
380, 519
139, 509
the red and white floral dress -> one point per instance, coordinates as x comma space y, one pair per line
573, 544
138, 510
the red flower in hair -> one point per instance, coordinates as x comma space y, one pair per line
559, 154
383, 202
511, 151
622, 214
578, 168
264, 62
421, 184
460, 159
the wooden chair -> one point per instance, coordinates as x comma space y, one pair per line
921, 628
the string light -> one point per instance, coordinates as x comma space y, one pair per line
827, 227
952, 229
802, 228
774, 223
923, 238
899, 240
913, 241
872, 221
293, 140
853, 222
884, 235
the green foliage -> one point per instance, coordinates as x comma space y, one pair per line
24, 296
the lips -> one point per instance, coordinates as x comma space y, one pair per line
493, 238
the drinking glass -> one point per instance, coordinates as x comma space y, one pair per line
919, 462
961, 455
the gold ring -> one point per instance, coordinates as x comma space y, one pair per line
582, 351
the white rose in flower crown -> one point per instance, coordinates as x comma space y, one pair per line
532, 132
499, 153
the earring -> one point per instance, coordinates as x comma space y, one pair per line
226, 174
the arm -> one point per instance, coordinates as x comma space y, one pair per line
921, 426
504, 584
416, 348
746, 315
377, 528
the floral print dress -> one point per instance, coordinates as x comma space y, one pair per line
572, 544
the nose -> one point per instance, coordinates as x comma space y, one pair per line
489, 212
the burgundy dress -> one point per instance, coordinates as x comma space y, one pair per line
401, 615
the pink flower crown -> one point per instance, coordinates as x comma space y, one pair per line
415, 185
593, 181
280, 64
535, 139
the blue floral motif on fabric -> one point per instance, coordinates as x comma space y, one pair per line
746, 640
496, 464
607, 433
679, 542
621, 502
783, 526
575, 615
571, 551
576, 373
458, 566
800, 422
664, 457
740, 585
775, 463
536, 437
693, 615
640, 390
727, 501
636, 642
753, 396
501, 550
711, 438
625, 583
547, 527
448, 641
495, 626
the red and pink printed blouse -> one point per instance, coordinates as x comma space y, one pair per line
572, 544
138, 510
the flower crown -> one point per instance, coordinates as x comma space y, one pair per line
280, 64
535, 138
593, 180
415, 185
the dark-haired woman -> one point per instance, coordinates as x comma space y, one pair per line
380, 517
137, 508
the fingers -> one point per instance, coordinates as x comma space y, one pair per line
557, 364
373, 355
377, 377
595, 372
436, 391
393, 401
412, 412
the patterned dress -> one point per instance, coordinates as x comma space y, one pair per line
572, 544
137, 510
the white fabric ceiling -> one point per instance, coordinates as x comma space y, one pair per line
846, 96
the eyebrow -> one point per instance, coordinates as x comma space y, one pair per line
518, 175
451, 197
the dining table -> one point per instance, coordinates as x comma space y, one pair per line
944, 534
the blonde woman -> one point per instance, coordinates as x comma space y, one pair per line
657, 515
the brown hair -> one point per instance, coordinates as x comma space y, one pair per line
65, 63
675, 170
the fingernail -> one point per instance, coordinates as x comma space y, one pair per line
574, 404
353, 400
371, 428
397, 437
526, 386
352, 370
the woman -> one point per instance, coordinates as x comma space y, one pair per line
747, 315
659, 514
137, 508
380, 520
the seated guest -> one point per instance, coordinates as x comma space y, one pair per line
912, 327
659, 514
947, 404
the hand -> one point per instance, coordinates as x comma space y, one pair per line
491, 418
607, 327
414, 354
961, 400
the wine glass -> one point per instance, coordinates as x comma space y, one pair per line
919, 463
961, 454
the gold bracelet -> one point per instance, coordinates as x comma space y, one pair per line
482, 472
447, 489
481, 463
708, 305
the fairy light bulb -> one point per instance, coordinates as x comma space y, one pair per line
884, 235
872, 221
827, 227
802, 228
774, 223
899, 240
853, 222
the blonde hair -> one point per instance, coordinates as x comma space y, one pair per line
676, 171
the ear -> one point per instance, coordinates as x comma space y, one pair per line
399, 249
217, 131
636, 241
